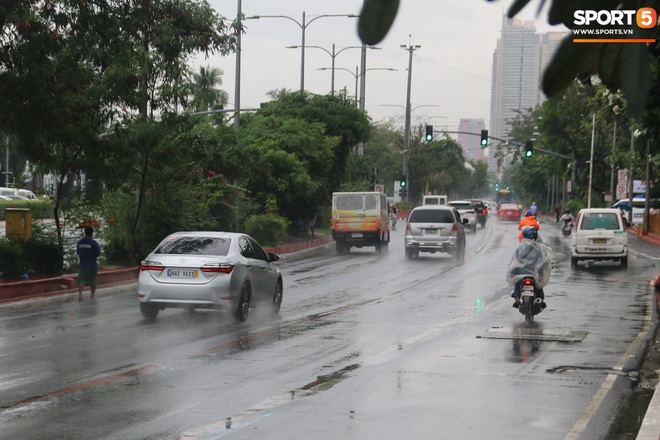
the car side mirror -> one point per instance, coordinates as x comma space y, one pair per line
273, 257
465, 221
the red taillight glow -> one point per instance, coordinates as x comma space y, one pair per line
217, 268
528, 282
151, 265
454, 229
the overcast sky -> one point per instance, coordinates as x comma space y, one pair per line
451, 70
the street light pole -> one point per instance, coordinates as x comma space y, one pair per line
333, 55
303, 26
406, 141
237, 87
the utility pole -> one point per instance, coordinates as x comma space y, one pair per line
237, 88
406, 141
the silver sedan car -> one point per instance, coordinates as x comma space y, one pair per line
434, 228
209, 270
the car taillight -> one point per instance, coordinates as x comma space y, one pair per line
470, 211
217, 267
151, 265
408, 228
454, 229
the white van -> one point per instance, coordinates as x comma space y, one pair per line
600, 234
435, 200
15, 193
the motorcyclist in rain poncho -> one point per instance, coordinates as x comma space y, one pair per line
530, 259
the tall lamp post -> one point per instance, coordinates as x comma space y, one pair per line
237, 86
406, 141
356, 74
303, 26
333, 55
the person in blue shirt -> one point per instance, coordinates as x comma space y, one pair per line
88, 251
534, 209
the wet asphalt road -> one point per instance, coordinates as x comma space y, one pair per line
366, 346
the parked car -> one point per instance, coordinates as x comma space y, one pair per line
508, 212
5, 198
209, 270
435, 228
466, 211
600, 234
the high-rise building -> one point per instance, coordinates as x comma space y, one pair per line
518, 63
471, 143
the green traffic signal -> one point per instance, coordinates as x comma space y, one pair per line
529, 149
402, 182
484, 138
429, 133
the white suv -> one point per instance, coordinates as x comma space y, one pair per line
600, 234
466, 211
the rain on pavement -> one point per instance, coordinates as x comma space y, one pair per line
365, 346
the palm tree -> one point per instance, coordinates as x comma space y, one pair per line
205, 94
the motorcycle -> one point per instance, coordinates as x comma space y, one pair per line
567, 229
531, 303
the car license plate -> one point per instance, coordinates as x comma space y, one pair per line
599, 241
182, 273
430, 232
356, 235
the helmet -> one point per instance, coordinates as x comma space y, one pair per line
568, 211
528, 213
530, 233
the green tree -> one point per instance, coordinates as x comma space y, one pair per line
341, 120
206, 95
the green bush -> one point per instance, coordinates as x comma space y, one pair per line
43, 257
267, 229
12, 259
40, 255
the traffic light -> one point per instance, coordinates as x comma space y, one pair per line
429, 133
484, 138
402, 182
497, 186
400, 192
529, 149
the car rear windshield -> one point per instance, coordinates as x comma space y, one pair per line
431, 216
194, 246
600, 220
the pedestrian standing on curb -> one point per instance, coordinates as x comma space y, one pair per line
88, 251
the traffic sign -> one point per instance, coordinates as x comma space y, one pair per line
622, 177
621, 191
379, 187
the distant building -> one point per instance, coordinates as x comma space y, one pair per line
472, 144
518, 63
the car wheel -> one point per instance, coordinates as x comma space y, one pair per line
244, 303
409, 254
342, 247
624, 262
378, 246
277, 297
149, 311
574, 262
